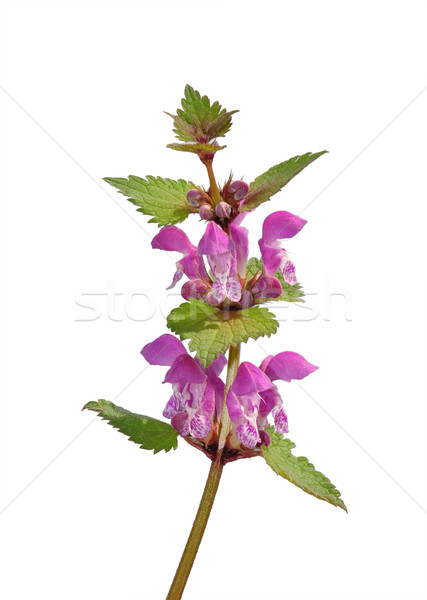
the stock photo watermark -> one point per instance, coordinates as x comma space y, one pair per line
140, 305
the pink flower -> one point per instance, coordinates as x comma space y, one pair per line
197, 392
277, 226
253, 395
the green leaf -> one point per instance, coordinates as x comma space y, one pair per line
298, 470
199, 120
149, 433
273, 180
163, 199
290, 293
212, 331
197, 148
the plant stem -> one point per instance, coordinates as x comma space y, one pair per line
197, 531
209, 493
216, 196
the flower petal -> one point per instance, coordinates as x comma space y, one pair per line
221, 265
272, 256
281, 225
173, 239
249, 379
193, 265
207, 402
185, 370
200, 426
217, 365
174, 406
181, 423
248, 434
265, 362
235, 409
288, 270
289, 365
219, 291
214, 240
177, 276
163, 350
280, 419
270, 399
239, 235
233, 289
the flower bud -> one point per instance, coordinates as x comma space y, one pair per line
211, 300
267, 286
206, 212
238, 189
246, 300
223, 210
195, 288
195, 197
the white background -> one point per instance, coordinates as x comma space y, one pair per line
86, 514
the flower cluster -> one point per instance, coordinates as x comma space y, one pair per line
225, 246
196, 403
217, 274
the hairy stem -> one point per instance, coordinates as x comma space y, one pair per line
216, 196
209, 493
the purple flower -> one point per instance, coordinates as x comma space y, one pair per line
197, 392
175, 240
277, 226
253, 395
219, 247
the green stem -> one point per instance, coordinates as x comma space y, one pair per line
209, 493
216, 196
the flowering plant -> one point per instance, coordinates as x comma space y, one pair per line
224, 292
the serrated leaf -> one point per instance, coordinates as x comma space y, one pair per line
290, 293
149, 433
196, 148
298, 470
273, 180
199, 120
212, 331
163, 199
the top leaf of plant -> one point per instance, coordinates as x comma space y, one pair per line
273, 180
163, 199
199, 120
298, 470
